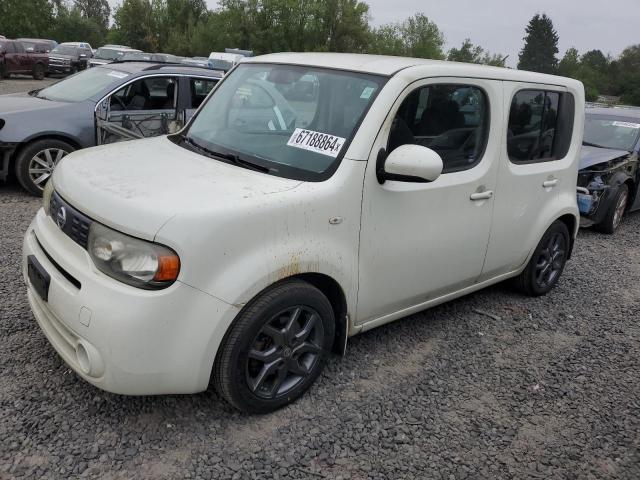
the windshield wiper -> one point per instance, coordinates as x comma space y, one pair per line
589, 144
230, 157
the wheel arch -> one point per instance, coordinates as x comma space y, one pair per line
572, 225
36, 138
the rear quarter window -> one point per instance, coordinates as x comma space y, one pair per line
540, 125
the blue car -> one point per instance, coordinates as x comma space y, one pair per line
105, 104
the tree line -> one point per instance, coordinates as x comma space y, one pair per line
188, 27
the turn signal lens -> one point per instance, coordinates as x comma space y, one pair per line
168, 268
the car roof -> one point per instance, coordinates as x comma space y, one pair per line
159, 67
615, 111
389, 66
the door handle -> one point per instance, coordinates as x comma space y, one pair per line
550, 183
486, 195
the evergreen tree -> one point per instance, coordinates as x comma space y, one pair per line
540, 46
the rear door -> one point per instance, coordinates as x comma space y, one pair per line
197, 90
534, 170
24, 61
12, 58
146, 107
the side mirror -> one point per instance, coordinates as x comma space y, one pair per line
409, 163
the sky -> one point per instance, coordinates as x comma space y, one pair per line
498, 25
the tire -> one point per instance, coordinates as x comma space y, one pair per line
616, 211
34, 166
38, 71
285, 361
547, 262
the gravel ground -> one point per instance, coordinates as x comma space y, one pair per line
23, 83
547, 389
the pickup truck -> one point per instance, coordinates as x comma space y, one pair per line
15, 59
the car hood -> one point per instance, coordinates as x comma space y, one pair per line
137, 186
590, 156
23, 102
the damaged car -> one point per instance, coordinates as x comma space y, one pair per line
107, 104
609, 175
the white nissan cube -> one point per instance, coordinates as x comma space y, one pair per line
310, 198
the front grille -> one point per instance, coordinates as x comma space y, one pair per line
73, 223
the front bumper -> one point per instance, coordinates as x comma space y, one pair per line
119, 338
601, 203
59, 68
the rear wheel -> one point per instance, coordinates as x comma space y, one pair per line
547, 263
276, 349
616, 212
36, 162
38, 71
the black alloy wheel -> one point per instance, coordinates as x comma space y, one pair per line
547, 263
276, 347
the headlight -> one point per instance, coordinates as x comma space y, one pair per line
131, 260
46, 196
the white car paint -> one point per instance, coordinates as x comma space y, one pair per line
393, 249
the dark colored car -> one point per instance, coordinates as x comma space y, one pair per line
50, 44
151, 57
15, 59
609, 175
69, 58
110, 53
105, 104
33, 46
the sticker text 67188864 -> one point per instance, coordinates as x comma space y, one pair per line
317, 142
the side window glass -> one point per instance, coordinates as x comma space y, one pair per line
533, 121
157, 93
453, 120
11, 47
200, 88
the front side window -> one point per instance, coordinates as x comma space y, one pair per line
452, 120
155, 93
294, 121
200, 88
533, 122
608, 131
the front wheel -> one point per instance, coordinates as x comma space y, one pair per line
613, 218
547, 263
38, 71
276, 349
36, 161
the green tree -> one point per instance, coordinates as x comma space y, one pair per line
20, 18
569, 66
540, 46
97, 10
628, 66
470, 53
134, 25
72, 26
417, 36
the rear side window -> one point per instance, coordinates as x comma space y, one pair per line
540, 126
10, 47
200, 88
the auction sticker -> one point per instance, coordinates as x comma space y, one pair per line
626, 125
317, 142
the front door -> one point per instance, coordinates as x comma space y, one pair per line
144, 108
420, 241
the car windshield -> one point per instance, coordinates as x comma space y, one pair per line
615, 132
109, 54
64, 50
293, 121
83, 86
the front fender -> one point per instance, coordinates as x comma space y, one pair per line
235, 253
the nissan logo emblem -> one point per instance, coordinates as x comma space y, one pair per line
61, 217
